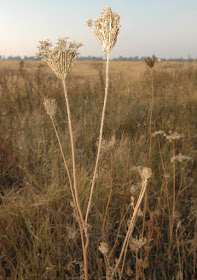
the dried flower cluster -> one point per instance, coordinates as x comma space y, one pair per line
107, 146
146, 173
106, 28
159, 132
173, 136
150, 61
50, 106
103, 248
134, 189
136, 244
61, 57
181, 158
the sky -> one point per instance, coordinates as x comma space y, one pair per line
166, 28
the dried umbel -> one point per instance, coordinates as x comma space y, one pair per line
50, 106
103, 248
173, 136
136, 244
106, 28
150, 61
61, 57
181, 158
146, 173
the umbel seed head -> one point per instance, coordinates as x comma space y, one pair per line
150, 61
106, 28
61, 57
50, 106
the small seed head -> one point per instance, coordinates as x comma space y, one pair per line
104, 248
89, 22
150, 61
136, 244
146, 173
50, 106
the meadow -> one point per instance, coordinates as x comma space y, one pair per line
39, 235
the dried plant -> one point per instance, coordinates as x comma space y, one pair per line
50, 106
61, 57
106, 28
150, 61
145, 173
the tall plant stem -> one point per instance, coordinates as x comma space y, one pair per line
100, 137
174, 197
96, 167
150, 144
62, 153
151, 111
82, 225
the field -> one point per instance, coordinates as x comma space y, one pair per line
39, 235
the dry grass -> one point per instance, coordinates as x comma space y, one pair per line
39, 237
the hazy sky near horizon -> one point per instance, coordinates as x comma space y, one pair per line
166, 28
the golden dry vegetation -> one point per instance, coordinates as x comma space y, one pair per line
39, 237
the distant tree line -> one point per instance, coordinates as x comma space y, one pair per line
2, 57
120, 58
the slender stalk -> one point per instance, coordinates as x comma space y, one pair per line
150, 145
116, 240
137, 265
100, 137
105, 216
129, 231
82, 225
62, 153
73, 151
106, 210
174, 197
151, 111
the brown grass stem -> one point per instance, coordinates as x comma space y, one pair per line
83, 227
151, 111
100, 137
107, 206
63, 156
129, 231
174, 197
106, 210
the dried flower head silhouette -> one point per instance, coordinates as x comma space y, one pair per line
150, 61
61, 57
106, 28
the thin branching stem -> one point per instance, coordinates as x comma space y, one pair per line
130, 230
63, 156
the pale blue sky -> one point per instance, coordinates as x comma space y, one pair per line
167, 28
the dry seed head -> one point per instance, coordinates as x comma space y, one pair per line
159, 132
104, 248
173, 136
150, 61
181, 158
146, 173
89, 22
61, 57
106, 28
136, 244
50, 106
